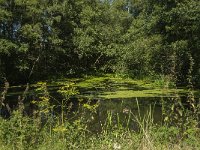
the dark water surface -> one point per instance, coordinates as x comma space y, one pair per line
125, 111
121, 111
115, 111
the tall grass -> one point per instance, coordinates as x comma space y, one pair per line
46, 130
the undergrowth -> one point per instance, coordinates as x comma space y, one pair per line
46, 129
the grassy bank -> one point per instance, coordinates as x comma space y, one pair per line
22, 132
59, 127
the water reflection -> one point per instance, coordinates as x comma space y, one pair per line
118, 110
124, 111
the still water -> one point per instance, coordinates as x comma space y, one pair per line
113, 111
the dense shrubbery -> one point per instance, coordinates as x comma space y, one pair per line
140, 38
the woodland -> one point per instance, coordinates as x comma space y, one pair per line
41, 39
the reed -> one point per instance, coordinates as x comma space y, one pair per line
60, 131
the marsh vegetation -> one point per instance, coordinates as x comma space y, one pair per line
91, 113
99, 74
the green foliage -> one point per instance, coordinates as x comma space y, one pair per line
32, 132
43, 102
68, 90
139, 38
18, 132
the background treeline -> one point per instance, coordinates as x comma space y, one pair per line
42, 38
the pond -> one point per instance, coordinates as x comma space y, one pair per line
117, 98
